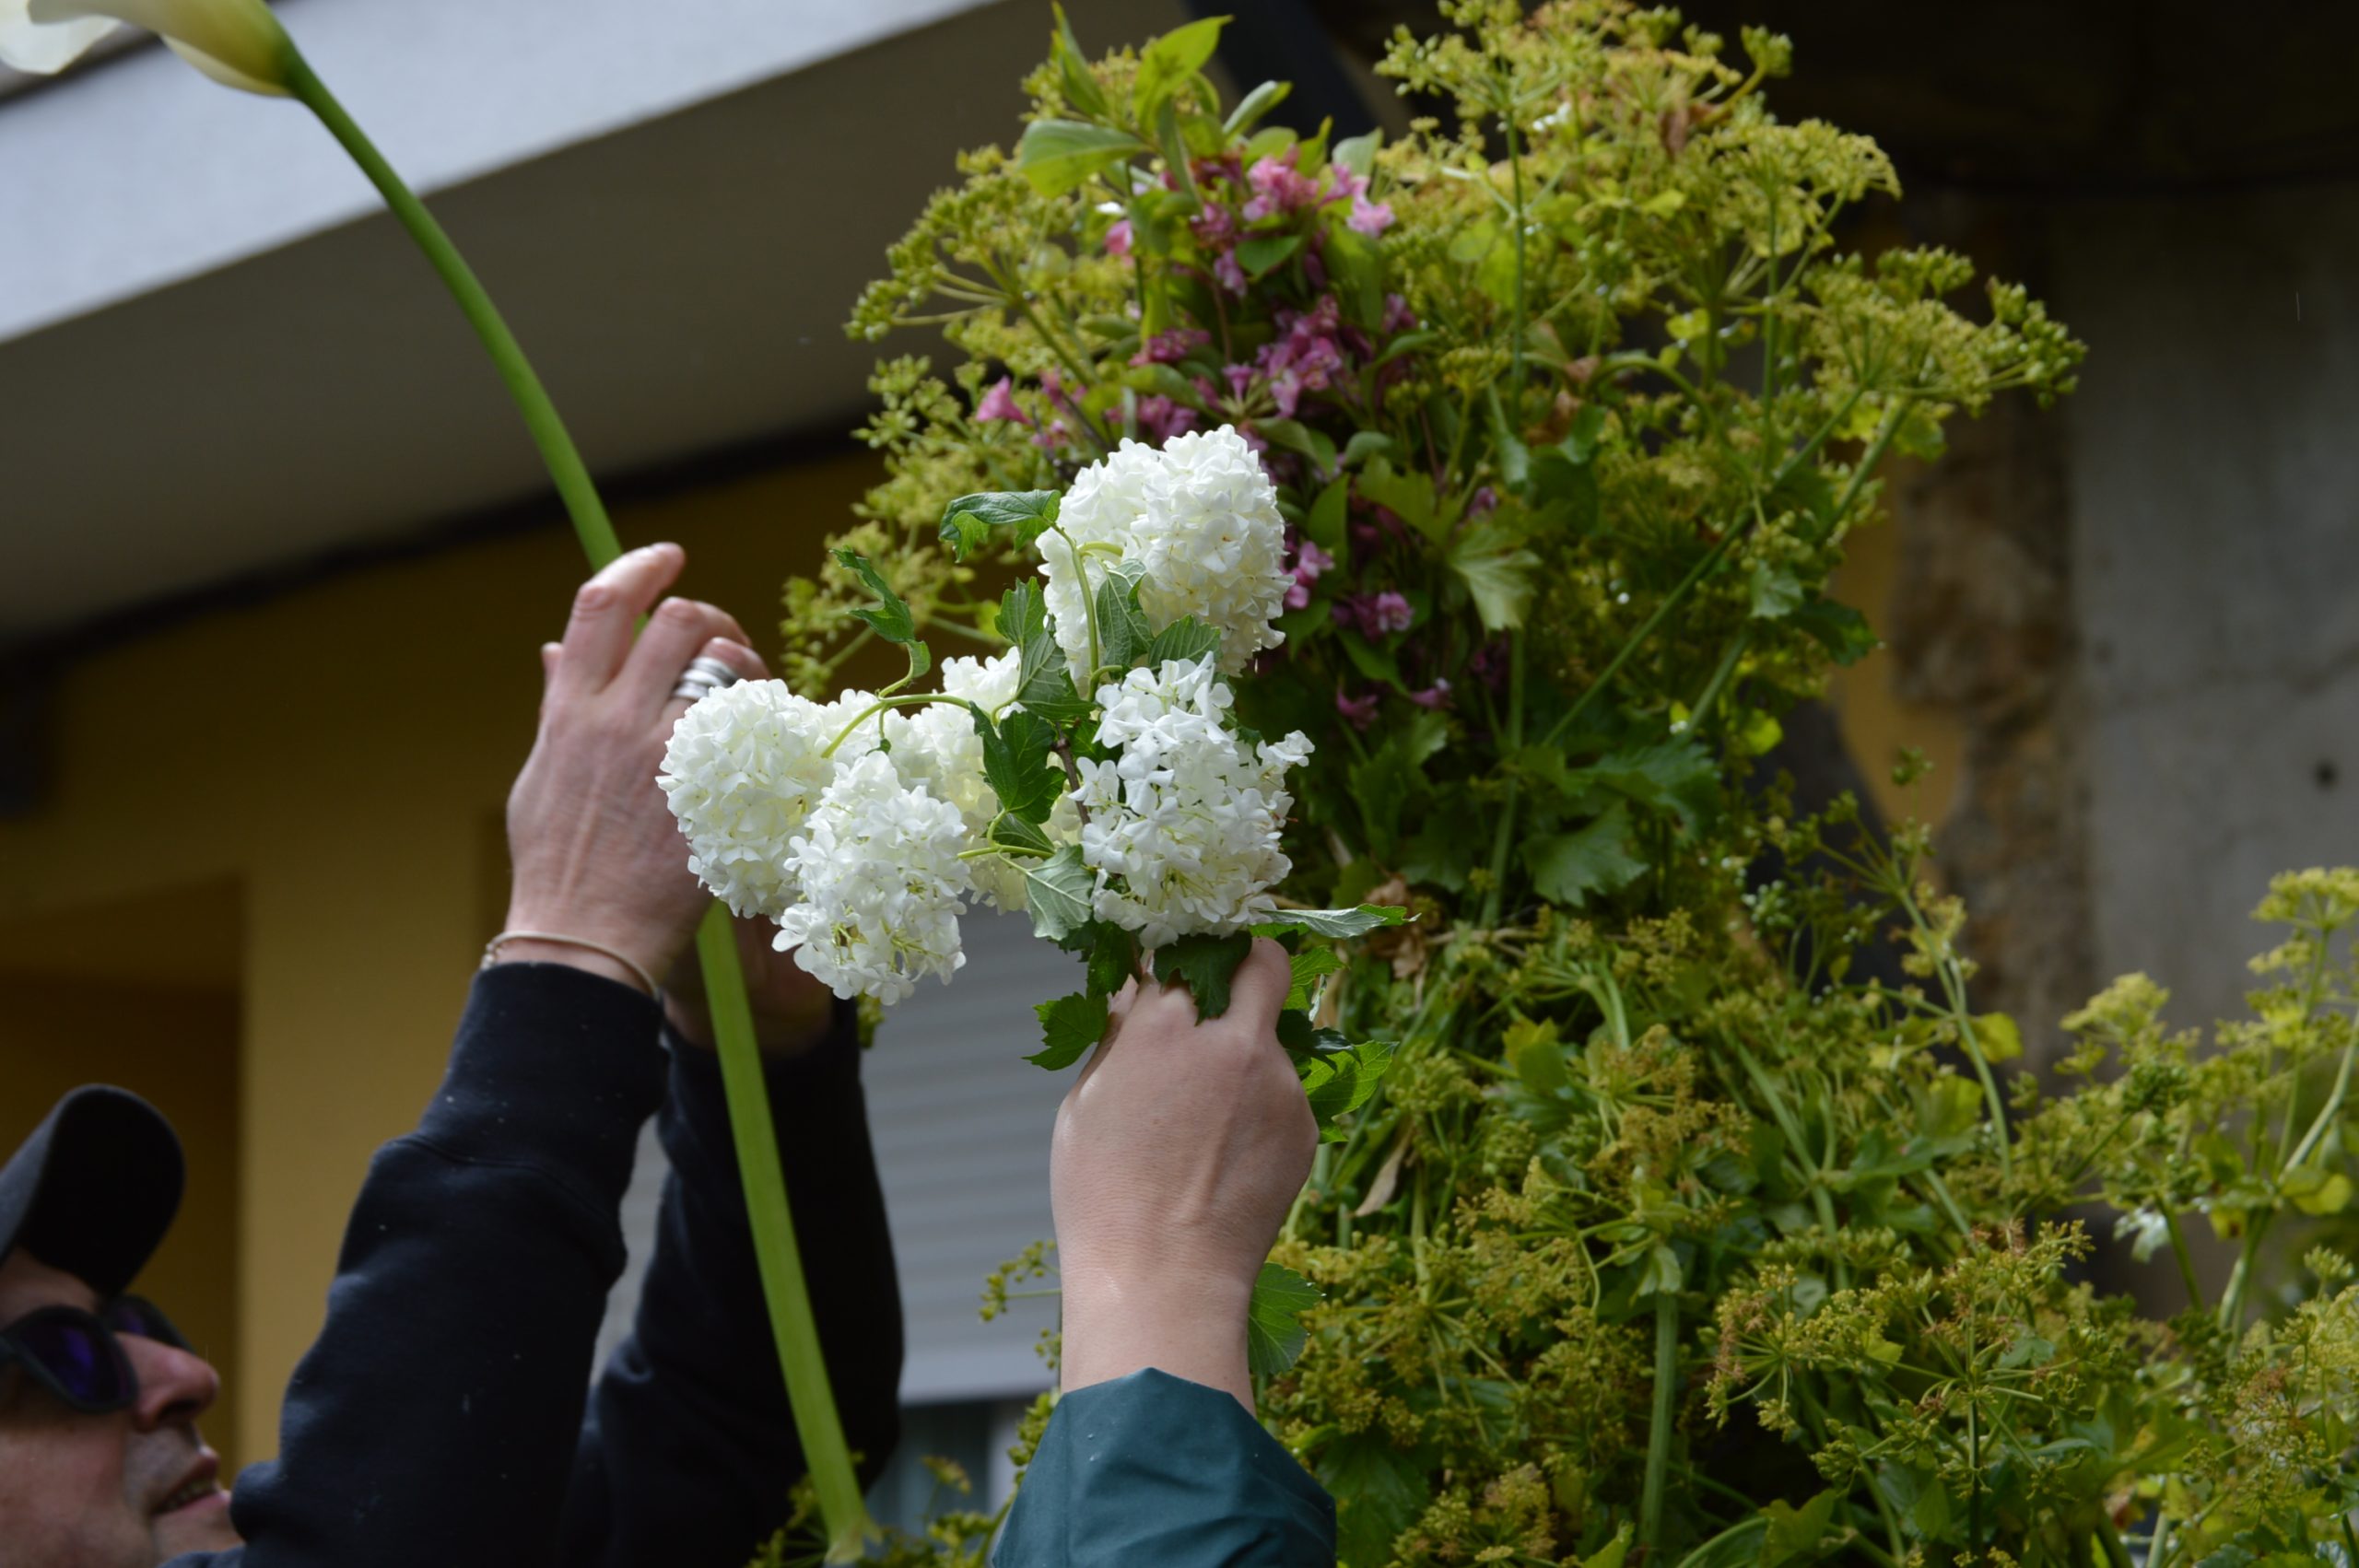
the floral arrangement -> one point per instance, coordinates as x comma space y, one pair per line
1698, 1216
1694, 1215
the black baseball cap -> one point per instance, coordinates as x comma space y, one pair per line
95, 1188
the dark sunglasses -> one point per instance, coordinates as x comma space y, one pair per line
77, 1354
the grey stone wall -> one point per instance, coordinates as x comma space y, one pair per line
2213, 467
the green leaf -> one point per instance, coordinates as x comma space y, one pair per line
1184, 642
889, 616
1374, 660
1169, 61
1382, 783
1310, 965
1273, 1331
1513, 457
1612, 1553
1081, 88
1410, 496
966, 521
1258, 255
1205, 964
1045, 686
1363, 444
1998, 1038
1678, 776
1339, 1082
1122, 634
1776, 593
1060, 891
1323, 524
1537, 1056
1838, 628
1490, 559
1380, 1490
1016, 766
1567, 868
1057, 156
1071, 1027
1113, 956
1795, 1532
1352, 922
1253, 105
1023, 615
1359, 153
1020, 834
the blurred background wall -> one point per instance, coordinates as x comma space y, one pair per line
275, 557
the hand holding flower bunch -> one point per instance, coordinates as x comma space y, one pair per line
1138, 824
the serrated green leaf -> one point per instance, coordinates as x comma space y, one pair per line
1310, 965
1044, 685
1183, 642
1205, 964
1339, 1082
1016, 766
1113, 956
1491, 560
1023, 615
1357, 921
1776, 593
1838, 628
1567, 868
1060, 892
1380, 1492
1057, 156
1273, 1331
968, 520
1122, 634
1795, 1532
1071, 1027
1015, 833
1410, 496
1678, 776
889, 616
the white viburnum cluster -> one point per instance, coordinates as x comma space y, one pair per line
882, 883
863, 828
1200, 516
1183, 827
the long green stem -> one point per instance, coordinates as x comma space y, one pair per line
565, 464
1659, 1433
793, 1328
796, 1330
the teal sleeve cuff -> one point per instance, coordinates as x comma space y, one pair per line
1152, 1469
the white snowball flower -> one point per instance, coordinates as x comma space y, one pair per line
881, 878
741, 770
1187, 820
1200, 517
936, 746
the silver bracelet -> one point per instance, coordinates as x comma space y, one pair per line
491, 952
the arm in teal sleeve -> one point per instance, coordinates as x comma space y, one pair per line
1151, 1468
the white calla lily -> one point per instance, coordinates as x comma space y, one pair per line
237, 42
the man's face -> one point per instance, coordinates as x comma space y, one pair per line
79, 1491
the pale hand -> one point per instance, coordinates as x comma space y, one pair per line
595, 849
1176, 1157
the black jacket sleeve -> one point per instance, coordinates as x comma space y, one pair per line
691, 1448
434, 1420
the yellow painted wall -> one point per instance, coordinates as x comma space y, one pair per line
335, 755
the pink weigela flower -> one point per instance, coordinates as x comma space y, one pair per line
1160, 419
1368, 218
1118, 240
1279, 188
1359, 711
1170, 348
998, 403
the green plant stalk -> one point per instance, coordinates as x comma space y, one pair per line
841, 1507
1659, 1431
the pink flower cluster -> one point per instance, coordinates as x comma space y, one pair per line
1375, 616
1309, 563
